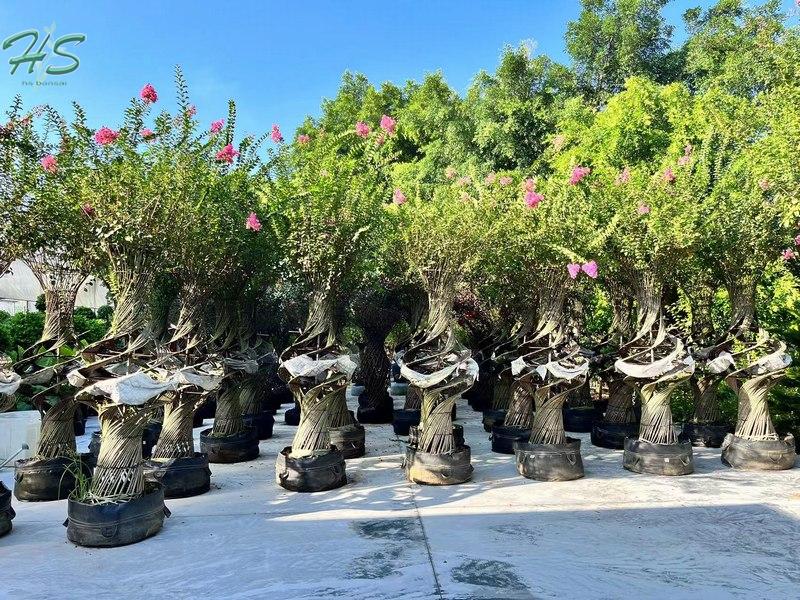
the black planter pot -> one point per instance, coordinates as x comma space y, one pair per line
118, 524
579, 419
503, 438
550, 462
42, 480
764, 455
404, 419
263, 423
197, 420
658, 459
703, 435
292, 416
438, 469
375, 411
180, 477
6, 510
312, 473
350, 440
612, 435
239, 447
493, 417
282, 393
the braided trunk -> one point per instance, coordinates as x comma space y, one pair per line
57, 437
520, 410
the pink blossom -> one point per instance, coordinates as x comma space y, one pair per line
146, 133
191, 111
504, 181
530, 184
276, 134
450, 172
558, 141
105, 136
388, 124
687, 150
573, 269
668, 176
303, 138
590, 268
253, 222
532, 199
684, 160
88, 210
362, 129
227, 154
643, 209
578, 173
490, 178
398, 197
216, 126
49, 163
149, 94
465, 180
624, 176
465, 197
797, 241
788, 254
764, 184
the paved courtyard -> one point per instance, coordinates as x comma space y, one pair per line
716, 534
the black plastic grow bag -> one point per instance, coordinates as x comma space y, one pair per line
311, 473
703, 435
238, 447
493, 417
550, 462
658, 459
350, 440
438, 469
181, 477
762, 455
405, 419
503, 438
612, 435
42, 480
578, 419
117, 524
263, 423
6, 510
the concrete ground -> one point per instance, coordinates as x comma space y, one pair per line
718, 533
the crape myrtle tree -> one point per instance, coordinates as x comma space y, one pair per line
329, 209
441, 239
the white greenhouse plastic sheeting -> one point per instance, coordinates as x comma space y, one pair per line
19, 290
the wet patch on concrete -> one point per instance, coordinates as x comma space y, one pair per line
488, 573
398, 530
377, 565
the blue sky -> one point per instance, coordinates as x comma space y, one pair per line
276, 59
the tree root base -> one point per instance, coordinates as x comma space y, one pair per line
550, 462
658, 459
311, 473
438, 469
181, 477
763, 455
704, 436
119, 524
503, 438
44, 480
239, 447
350, 440
492, 418
612, 435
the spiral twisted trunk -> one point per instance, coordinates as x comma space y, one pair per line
548, 421
520, 409
413, 398
59, 306
57, 437
706, 403
656, 424
119, 475
754, 421
228, 418
321, 408
177, 439
620, 402
501, 396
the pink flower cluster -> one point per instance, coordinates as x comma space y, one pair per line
276, 135
303, 138
362, 129
252, 222
149, 94
227, 154
578, 173
465, 180
105, 136
643, 209
146, 133
490, 178
506, 180
450, 172
668, 176
590, 268
398, 197
388, 124
687, 155
532, 199
623, 177
216, 126
49, 163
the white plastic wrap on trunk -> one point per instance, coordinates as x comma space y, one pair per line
134, 389
657, 368
559, 371
464, 365
721, 363
207, 379
9, 382
305, 366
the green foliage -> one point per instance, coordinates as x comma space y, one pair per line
85, 312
